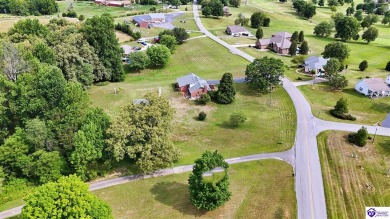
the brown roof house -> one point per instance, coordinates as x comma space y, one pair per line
193, 86
237, 30
279, 42
374, 87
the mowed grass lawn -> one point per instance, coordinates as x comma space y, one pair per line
269, 128
260, 189
351, 184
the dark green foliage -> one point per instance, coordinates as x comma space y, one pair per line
180, 34
46, 166
342, 116
304, 49
100, 33
350, 11
307, 9
27, 7
30, 27
341, 106
67, 198
346, 28
70, 13
336, 50
301, 37
293, 48
259, 33
138, 60
370, 34
359, 15
266, 22
294, 36
81, 17
336, 81
204, 99
359, 138
321, 3
369, 20
387, 68
263, 74
258, 19
386, 18
202, 116
44, 53
237, 119
363, 65
209, 195
125, 28
159, 56
226, 91
166, 32
235, 3
168, 41
213, 7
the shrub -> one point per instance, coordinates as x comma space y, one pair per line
236, 119
359, 138
363, 65
388, 66
342, 115
204, 99
202, 116
81, 17
71, 13
152, 9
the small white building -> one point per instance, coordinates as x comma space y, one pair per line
374, 87
315, 63
237, 30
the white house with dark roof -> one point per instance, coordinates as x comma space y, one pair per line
193, 86
374, 87
237, 30
279, 42
315, 63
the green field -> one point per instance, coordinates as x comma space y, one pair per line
351, 184
260, 189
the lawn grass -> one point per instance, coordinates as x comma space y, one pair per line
188, 18
351, 184
260, 189
11, 204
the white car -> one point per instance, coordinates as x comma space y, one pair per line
142, 40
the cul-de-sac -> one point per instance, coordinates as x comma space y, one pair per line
265, 109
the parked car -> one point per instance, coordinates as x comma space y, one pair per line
143, 43
137, 48
142, 40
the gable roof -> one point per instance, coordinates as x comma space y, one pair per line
265, 41
283, 34
281, 42
316, 62
157, 16
376, 84
141, 18
193, 81
237, 29
126, 49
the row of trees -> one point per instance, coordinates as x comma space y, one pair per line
29, 7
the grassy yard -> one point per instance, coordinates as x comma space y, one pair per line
186, 21
260, 189
366, 110
351, 184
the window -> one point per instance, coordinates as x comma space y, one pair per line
361, 89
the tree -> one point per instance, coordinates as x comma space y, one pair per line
67, 198
166, 32
206, 11
168, 41
47, 166
43, 7
369, 20
309, 10
341, 106
387, 66
100, 34
263, 74
336, 50
266, 22
294, 36
44, 53
180, 34
293, 48
215, 7
359, 15
36, 134
335, 80
30, 27
241, 20
19, 7
209, 194
139, 60
323, 29
299, 5
159, 55
304, 49
235, 3
12, 62
259, 33
142, 133
204, 99
321, 3
350, 11
298, 60
301, 37
333, 3
257, 19
202, 116
386, 18
359, 138
237, 119
370, 34
176, 3
363, 65
226, 91
346, 28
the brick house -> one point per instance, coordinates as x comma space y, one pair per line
146, 19
279, 42
193, 86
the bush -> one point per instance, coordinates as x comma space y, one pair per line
236, 119
342, 115
202, 116
72, 14
81, 17
363, 65
152, 9
359, 138
388, 66
204, 99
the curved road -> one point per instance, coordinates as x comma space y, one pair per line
303, 156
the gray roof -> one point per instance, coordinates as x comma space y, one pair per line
193, 81
283, 34
237, 29
281, 42
126, 49
376, 84
157, 16
141, 18
316, 62
140, 101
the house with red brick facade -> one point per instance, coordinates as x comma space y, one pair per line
193, 86
146, 19
279, 42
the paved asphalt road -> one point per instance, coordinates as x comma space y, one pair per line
303, 156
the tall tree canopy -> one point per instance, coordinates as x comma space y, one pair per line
226, 91
100, 33
336, 50
346, 28
265, 73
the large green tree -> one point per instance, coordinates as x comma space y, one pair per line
336, 50
159, 56
257, 19
226, 91
169, 41
142, 132
323, 29
139, 60
67, 198
180, 34
263, 74
100, 33
209, 194
370, 34
336, 81
346, 28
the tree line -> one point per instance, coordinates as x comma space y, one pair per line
29, 7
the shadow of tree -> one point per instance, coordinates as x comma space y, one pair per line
176, 195
381, 107
225, 125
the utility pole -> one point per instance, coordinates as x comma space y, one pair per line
374, 135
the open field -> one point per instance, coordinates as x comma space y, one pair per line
351, 184
366, 110
188, 18
250, 183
